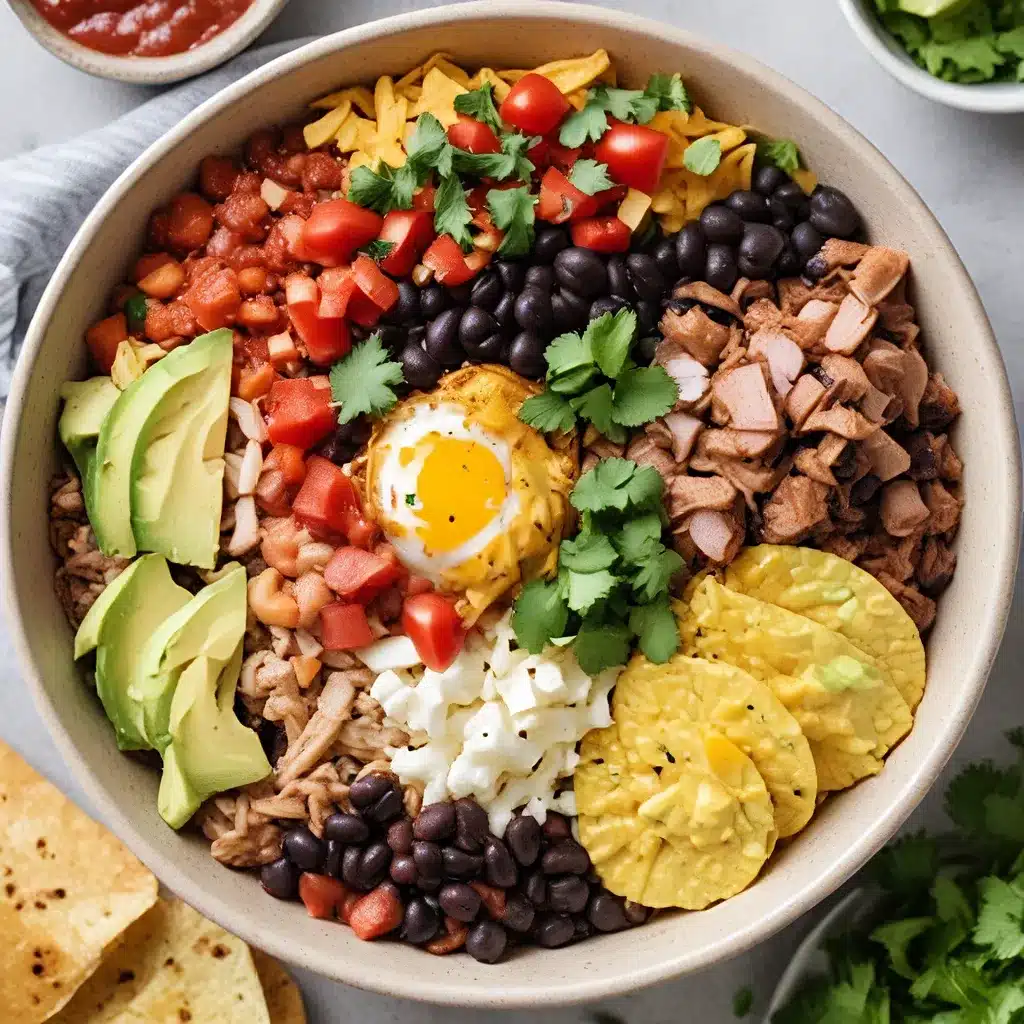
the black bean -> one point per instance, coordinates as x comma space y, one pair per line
519, 913
491, 350
375, 863
533, 311
554, 930
416, 335
487, 291
512, 275
336, 451
332, 861
471, 824
751, 206
486, 942
280, 879
499, 867
369, 789
304, 850
569, 310
864, 489
435, 822
428, 885
664, 254
720, 224
351, 867
832, 213
548, 243
581, 271
540, 277
721, 271
691, 250
635, 913
387, 808
646, 349
791, 194
556, 826
459, 900
407, 309
768, 178
646, 276
807, 240
459, 293
618, 278
647, 315
459, 864
605, 912
788, 264
761, 244
403, 869
526, 355
536, 890
428, 859
567, 858
400, 836
782, 216
582, 927
433, 301
568, 895
475, 327
605, 304
523, 836
391, 337
420, 922
505, 311
346, 828
421, 370
443, 338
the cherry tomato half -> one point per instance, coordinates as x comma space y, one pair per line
635, 155
602, 234
534, 105
410, 231
473, 136
561, 201
434, 626
337, 228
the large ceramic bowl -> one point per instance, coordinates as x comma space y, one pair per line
848, 829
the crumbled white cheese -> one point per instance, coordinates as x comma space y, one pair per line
500, 725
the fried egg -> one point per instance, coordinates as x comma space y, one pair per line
469, 495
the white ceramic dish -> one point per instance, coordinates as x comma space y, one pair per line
983, 98
151, 70
848, 829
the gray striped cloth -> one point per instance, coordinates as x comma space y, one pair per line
46, 194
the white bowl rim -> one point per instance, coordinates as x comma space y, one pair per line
150, 70
982, 98
425, 987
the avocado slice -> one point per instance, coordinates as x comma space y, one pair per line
210, 625
118, 625
931, 8
210, 749
179, 407
86, 404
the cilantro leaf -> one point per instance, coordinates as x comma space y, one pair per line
908, 864
639, 537
604, 486
361, 382
601, 646
896, 937
645, 488
1001, 917
571, 365
669, 92
511, 162
609, 337
967, 793
588, 552
642, 395
655, 627
479, 104
782, 153
586, 588
589, 176
625, 104
427, 142
547, 412
590, 123
382, 190
702, 156
512, 211
540, 613
595, 405
377, 250
452, 215
655, 572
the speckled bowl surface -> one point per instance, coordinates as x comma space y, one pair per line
848, 829
151, 70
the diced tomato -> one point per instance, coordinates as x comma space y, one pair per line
214, 299
322, 895
299, 413
377, 287
550, 152
602, 234
445, 259
327, 339
377, 913
336, 288
329, 505
254, 382
103, 339
410, 231
561, 201
424, 198
414, 585
534, 105
359, 575
361, 532
292, 229
289, 460
344, 627
635, 155
473, 136
337, 228
434, 626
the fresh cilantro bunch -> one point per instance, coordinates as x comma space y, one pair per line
947, 942
781, 153
362, 381
663, 92
613, 576
976, 41
591, 376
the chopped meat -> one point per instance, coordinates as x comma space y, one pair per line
684, 430
749, 478
783, 355
896, 316
833, 287
888, 459
746, 291
718, 535
738, 444
850, 381
897, 558
852, 324
833, 449
920, 608
850, 548
762, 313
645, 451
809, 464
811, 325
697, 333
884, 366
796, 508
701, 291
794, 294
743, 393
839, 420
693, 378
950, 466
943, 507
939, 404
912, 384
876, 405
901, 509
935, 570
835, 253
805, 397
925, 451
878, 272
688, 493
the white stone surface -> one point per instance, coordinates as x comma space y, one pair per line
967, 167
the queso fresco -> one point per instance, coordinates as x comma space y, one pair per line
507, 503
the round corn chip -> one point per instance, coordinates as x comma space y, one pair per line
845, 702
284, 1000
674, 816
842, 597
68, 889
734, 703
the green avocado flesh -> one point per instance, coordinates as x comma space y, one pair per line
86, 404
930, 8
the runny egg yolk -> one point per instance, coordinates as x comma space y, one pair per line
459, 490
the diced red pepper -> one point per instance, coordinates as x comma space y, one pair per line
377, 913
561, 201
446, 260
359, 575
336, 290
376, 286
549, 152
410, 231
328, 503
344, 627
322, 895
326, 339
299, 413
602, 234
337, 228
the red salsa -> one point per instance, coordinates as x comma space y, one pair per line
153, 28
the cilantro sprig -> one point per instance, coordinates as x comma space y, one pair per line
613, 576
479, 104
781, 153
362, 381
591, 377
702, 156
512, 211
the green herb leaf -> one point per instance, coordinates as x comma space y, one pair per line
377, 250
362, 381
782, 153
742, 1001
609, 337
590, 123
540, 614
571, 364
135, 312
703, 156
595, 405
655, 572
428, 148
643, 394
639, 537
378, 190
656, 629
587, 588
511, 162
410, 499
669, 92
479, 104
604, 487
896, 937
512, 211
589, 176
625, 104
1001, 917
452, 215
548, 412
588, 552
600, 646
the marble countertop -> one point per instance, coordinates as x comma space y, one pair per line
966, 166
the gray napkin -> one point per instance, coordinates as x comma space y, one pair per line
46, 194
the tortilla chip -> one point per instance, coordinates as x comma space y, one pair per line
355, 133
442, 61
324, 129
501, 89
358, 95
569, 75
438, 97
68, 889
171, 966
391, 112
284, 1000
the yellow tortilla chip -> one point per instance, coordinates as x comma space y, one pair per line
842, 597
68, 889
172, 966
501, 89
391, 112
284, 1000
438, 97
358, 95
697, 124
575, 72
411, 92
355, 133
323, 130
806, 179
442, 61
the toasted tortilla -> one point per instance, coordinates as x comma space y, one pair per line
284, 999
